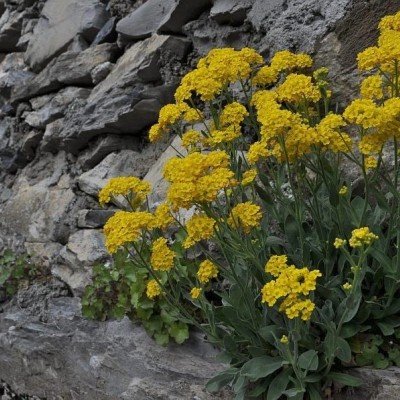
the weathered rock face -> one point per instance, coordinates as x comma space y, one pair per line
51, 352
80, 84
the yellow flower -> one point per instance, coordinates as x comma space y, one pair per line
286, 61
207, 270
197, 178
370, 162
284, 339
153, 289
199, 227
162, 257
371, 88
129, 186
298, 88
257, 151
191, 138
343, 190
266, 76
363, 112
249, 176
338, 243
275, 265
225, 135
362, 236
163, 216
347, 286
196, 292
233, 114
156, 133
245, 215
369, 58
125, 227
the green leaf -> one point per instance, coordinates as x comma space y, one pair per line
161, 338
308, 360
179, 331
219, 381
279, 384
343, 350
345, 379
260, 367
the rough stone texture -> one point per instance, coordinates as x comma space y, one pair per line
60, 22
160, 16
50, 351
75, 106
230, 12
71, 68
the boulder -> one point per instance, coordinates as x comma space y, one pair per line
107, 33
56, 107
232, 12
100, 72
93, 218
48, 350
160, 16
70, 68
59, 23
124, 102
10, 30
124, 163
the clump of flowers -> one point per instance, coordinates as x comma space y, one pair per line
265, 179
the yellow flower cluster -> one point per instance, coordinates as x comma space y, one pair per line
362, 237
249, 176
153, 289
388, 49
125, 227
298, 88
275, 265
191, 139
217, 70
207, 270
199, 227
169, 115
197, 178
245, 215
372, 88
196, 292
163, 217
233, 114
162, 257
292, 284
338, 243
129, 186
343, 190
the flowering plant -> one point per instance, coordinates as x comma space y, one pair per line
285, 264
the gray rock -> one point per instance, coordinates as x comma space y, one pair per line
160, 16
155, 174
124, 163
70, 68
78, 44
122, 103
56, 107
93, 218
10, 30
51, 139
106, 145
88, 247
59, 23
232, 12
69, 357
107, 33
100, 72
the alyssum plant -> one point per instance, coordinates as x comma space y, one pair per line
283, 265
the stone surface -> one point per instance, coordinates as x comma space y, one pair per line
160, 16
107, 33
232, 12
48, 350
70, 68
122, 103
56, 107
10, 30
100, 72
60, 22
93, 218
126, 163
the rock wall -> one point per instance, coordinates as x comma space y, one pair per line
80, 83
